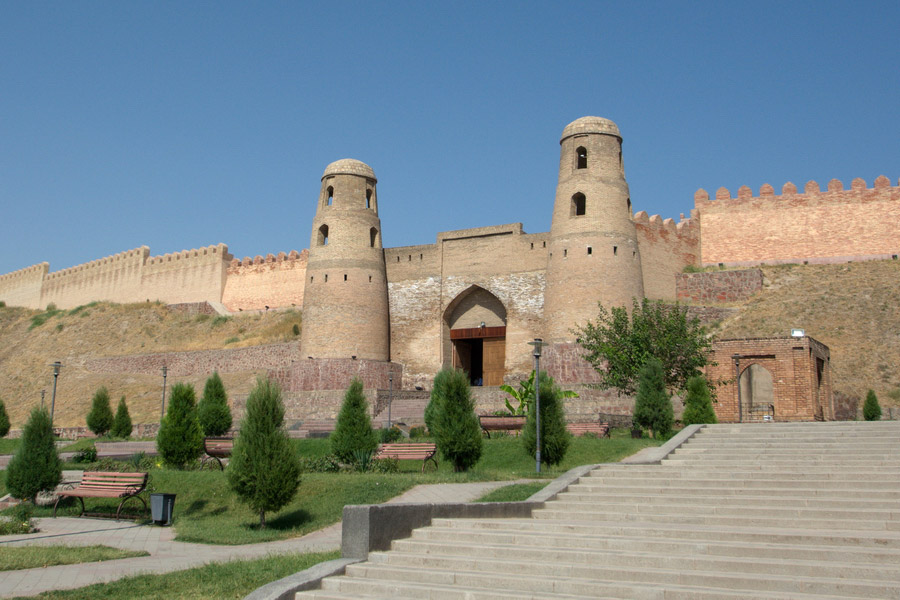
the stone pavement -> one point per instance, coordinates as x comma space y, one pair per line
168, 555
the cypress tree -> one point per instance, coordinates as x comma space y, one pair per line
4, 420
871, 408
454, 422
264, 469
36, 466
100, 418
698, 406
555, 438
215, 416
122, 423
353, 430
180, 438
652, 408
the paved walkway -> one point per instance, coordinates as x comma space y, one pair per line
168, 555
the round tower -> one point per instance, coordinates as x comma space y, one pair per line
345, 299
594, 255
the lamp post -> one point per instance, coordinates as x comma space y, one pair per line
737, 381
56, 367
162, 408
43, 393
390, 395
538, 343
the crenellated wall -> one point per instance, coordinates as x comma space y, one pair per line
187, 276
116, 278
666, 249
23, 287
816, 226
273, 281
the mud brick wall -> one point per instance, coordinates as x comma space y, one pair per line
718, 286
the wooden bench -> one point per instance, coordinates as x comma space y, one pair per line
216, 449
106, 485
508, 424
598, 429
417, 451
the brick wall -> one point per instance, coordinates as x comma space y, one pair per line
666, 249
718, 286
274, 281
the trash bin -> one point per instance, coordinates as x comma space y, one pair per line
161, 506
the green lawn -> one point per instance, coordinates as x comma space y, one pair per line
9, 445
30, 557
226, 580
516, 492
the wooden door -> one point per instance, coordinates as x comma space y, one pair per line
494, 360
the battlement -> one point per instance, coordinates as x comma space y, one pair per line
682, 227
106, 263
834, 190
39, 270
460, 234
237, 264
217, 252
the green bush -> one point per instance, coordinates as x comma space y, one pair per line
264, 470
416, 432
319, 464
19, 520
454, 423
36, 466
555, 439
180, 438
296, 329
213, 411
698, 408
389, 435
871, 408
100, 418
122, 423
85, 455
652, 407
353, 430
4, 421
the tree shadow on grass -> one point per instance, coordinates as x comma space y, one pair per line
195, 507
285, 521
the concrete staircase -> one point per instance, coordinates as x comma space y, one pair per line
807, 510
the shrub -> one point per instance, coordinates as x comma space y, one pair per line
36, 466
18, 521
389, 435
555, 438
2, 304
180, 438
213, 411
85, 455
698, 406
100, 418
296, 329
4, 420
319, 464
353, 430
871, 408
122, 423
264, 470
416, 432
454, 423
652, 408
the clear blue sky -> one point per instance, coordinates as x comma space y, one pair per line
182, 124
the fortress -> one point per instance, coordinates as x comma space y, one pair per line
476, 297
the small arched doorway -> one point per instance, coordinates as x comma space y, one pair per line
757, 393
475, 336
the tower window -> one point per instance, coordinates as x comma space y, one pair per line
565, 253
615, 250
581, 153
345, 277
578, 205
326, 277
370, 279
628, 203
590, 250
323, 235
310, 278
373, 237
368, 198
330, 198
532, 245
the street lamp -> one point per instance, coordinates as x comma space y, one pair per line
737, 380
162, 408
390, 395
56, 367
538, 343
43, 393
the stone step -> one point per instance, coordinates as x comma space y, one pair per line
605, 497
748, 473
747, 479
767, 462
775, 492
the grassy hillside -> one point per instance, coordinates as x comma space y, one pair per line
31, 340
854, 308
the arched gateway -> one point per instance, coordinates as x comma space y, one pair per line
474, 336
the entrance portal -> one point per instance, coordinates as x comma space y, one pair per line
475, 336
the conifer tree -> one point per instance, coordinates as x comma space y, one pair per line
180, 438
36, 466
353, 430
652, 407
100, 418
122, 423
264, 469
454, 422
215, 416
4, 420
698, 408
871, 408
555, 438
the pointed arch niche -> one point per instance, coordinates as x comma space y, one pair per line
757, 392
474, 336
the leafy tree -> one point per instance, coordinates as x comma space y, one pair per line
454, 423
122, 423
4, 420
353, 431
264, 469
698, 406
213, 411
180, 438
871, 408
652, 407
100, 418
618, 345
525, 395
36, 466
555, 438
